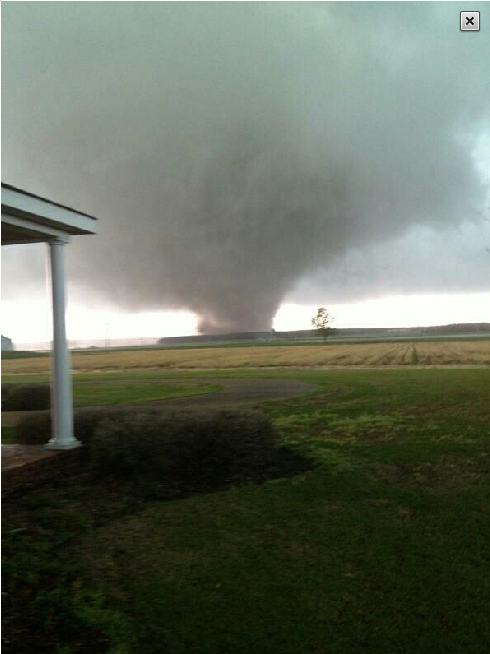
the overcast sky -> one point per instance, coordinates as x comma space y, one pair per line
248, 159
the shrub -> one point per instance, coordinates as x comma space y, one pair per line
168, 448
26, 397
37, 429
6, 389
185, 448
34, 430
86, 421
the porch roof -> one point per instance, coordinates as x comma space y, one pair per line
29, 218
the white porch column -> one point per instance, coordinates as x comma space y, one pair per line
62, 396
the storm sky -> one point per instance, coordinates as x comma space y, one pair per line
243, 155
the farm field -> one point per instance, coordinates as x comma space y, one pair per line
453, 353
382, 546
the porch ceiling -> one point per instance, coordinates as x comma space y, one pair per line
13, 234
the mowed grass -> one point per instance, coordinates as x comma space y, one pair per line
353, 354
383, 547
103, 390
88, 393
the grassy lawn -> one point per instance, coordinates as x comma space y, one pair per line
105, 389
383, 547
87, 393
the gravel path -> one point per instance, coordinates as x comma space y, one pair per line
242, 391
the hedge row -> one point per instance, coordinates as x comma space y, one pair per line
168, 448
25, 397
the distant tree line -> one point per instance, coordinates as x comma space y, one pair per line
459, 328
456, 328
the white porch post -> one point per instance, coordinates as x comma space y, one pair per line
62, 396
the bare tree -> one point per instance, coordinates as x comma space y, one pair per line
322, 322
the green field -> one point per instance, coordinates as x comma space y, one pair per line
382, 547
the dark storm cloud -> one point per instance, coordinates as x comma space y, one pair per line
233, 149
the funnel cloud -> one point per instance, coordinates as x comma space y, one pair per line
235, 151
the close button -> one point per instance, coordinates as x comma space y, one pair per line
470, 21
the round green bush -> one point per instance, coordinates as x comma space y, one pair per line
37, 429
26, 397
185, 447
